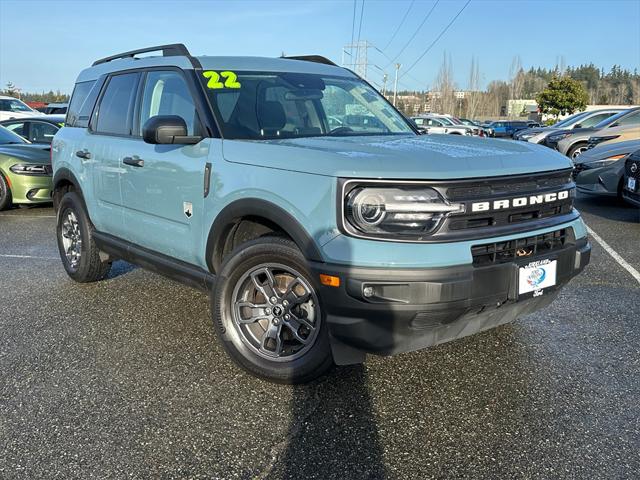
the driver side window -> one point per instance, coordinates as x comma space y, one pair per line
167, 93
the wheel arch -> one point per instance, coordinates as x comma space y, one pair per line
250, 218
63, 181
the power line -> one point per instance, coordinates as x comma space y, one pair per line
361, 14
437, 38
353, 22
424, 20
400, 26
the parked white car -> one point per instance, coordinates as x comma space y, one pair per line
440, 124
14, 108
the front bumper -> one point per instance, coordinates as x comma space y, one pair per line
631, 197
417, 308
30, 189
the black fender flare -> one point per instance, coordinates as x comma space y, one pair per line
256, 207
65, 174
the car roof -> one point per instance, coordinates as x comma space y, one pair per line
242, 64
40, 118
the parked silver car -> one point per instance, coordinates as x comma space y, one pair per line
575, 121
573, 142
600, 170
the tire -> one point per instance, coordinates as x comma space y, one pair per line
576, 150
79, 254
5, 193
250, 335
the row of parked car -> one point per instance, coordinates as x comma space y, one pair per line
439, 123
601, 144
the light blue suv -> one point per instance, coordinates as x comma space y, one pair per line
318, 240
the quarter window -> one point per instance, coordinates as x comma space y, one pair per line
18, 128
114, 112
167, 93
77, 116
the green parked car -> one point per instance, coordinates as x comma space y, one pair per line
25, 171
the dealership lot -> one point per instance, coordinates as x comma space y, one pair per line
125, 378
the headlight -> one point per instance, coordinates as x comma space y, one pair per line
559, 136
405, 212
605, 161
596, 140
29, 169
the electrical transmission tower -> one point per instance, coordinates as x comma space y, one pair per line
355, 56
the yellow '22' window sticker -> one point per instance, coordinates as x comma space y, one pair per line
230, 79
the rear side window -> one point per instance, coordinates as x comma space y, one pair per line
79, 98
42, 132
113, 116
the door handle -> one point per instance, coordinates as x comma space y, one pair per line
134, 161
84, 154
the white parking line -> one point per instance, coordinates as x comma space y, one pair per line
7, 255
623, 263
27, 216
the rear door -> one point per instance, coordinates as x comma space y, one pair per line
163, 192
109, 135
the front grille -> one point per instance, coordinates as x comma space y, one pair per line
510, 188
521, 248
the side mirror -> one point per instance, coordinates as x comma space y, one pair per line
167, 129
615, 124
577, 125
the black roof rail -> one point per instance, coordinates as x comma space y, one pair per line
312, 58
170, 50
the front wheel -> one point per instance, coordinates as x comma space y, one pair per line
576, 150
5, 194
268, 315
79, 254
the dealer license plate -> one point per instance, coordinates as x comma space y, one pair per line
536, 276
631, 184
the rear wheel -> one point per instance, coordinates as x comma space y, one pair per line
79, 254
5, 194
268, 315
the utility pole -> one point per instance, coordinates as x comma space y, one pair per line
395, 85
384, 84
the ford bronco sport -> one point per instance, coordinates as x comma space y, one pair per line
317, 239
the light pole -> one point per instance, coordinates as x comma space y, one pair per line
395, 85
384, 84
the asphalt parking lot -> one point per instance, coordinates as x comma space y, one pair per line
124, 379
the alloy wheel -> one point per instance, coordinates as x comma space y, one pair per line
276, 312
71, 239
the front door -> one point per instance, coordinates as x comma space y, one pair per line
163, 185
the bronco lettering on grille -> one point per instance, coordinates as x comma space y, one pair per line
519, 202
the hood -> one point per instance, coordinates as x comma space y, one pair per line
28, 152
605, 151
435, 157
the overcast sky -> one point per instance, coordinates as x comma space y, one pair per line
44, 44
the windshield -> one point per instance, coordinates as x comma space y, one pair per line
261, 106
14, 105
569, 120
7, 137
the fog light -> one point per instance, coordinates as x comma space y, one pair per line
368, 292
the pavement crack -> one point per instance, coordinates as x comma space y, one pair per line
294, 430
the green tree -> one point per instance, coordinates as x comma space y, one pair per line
562, 96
